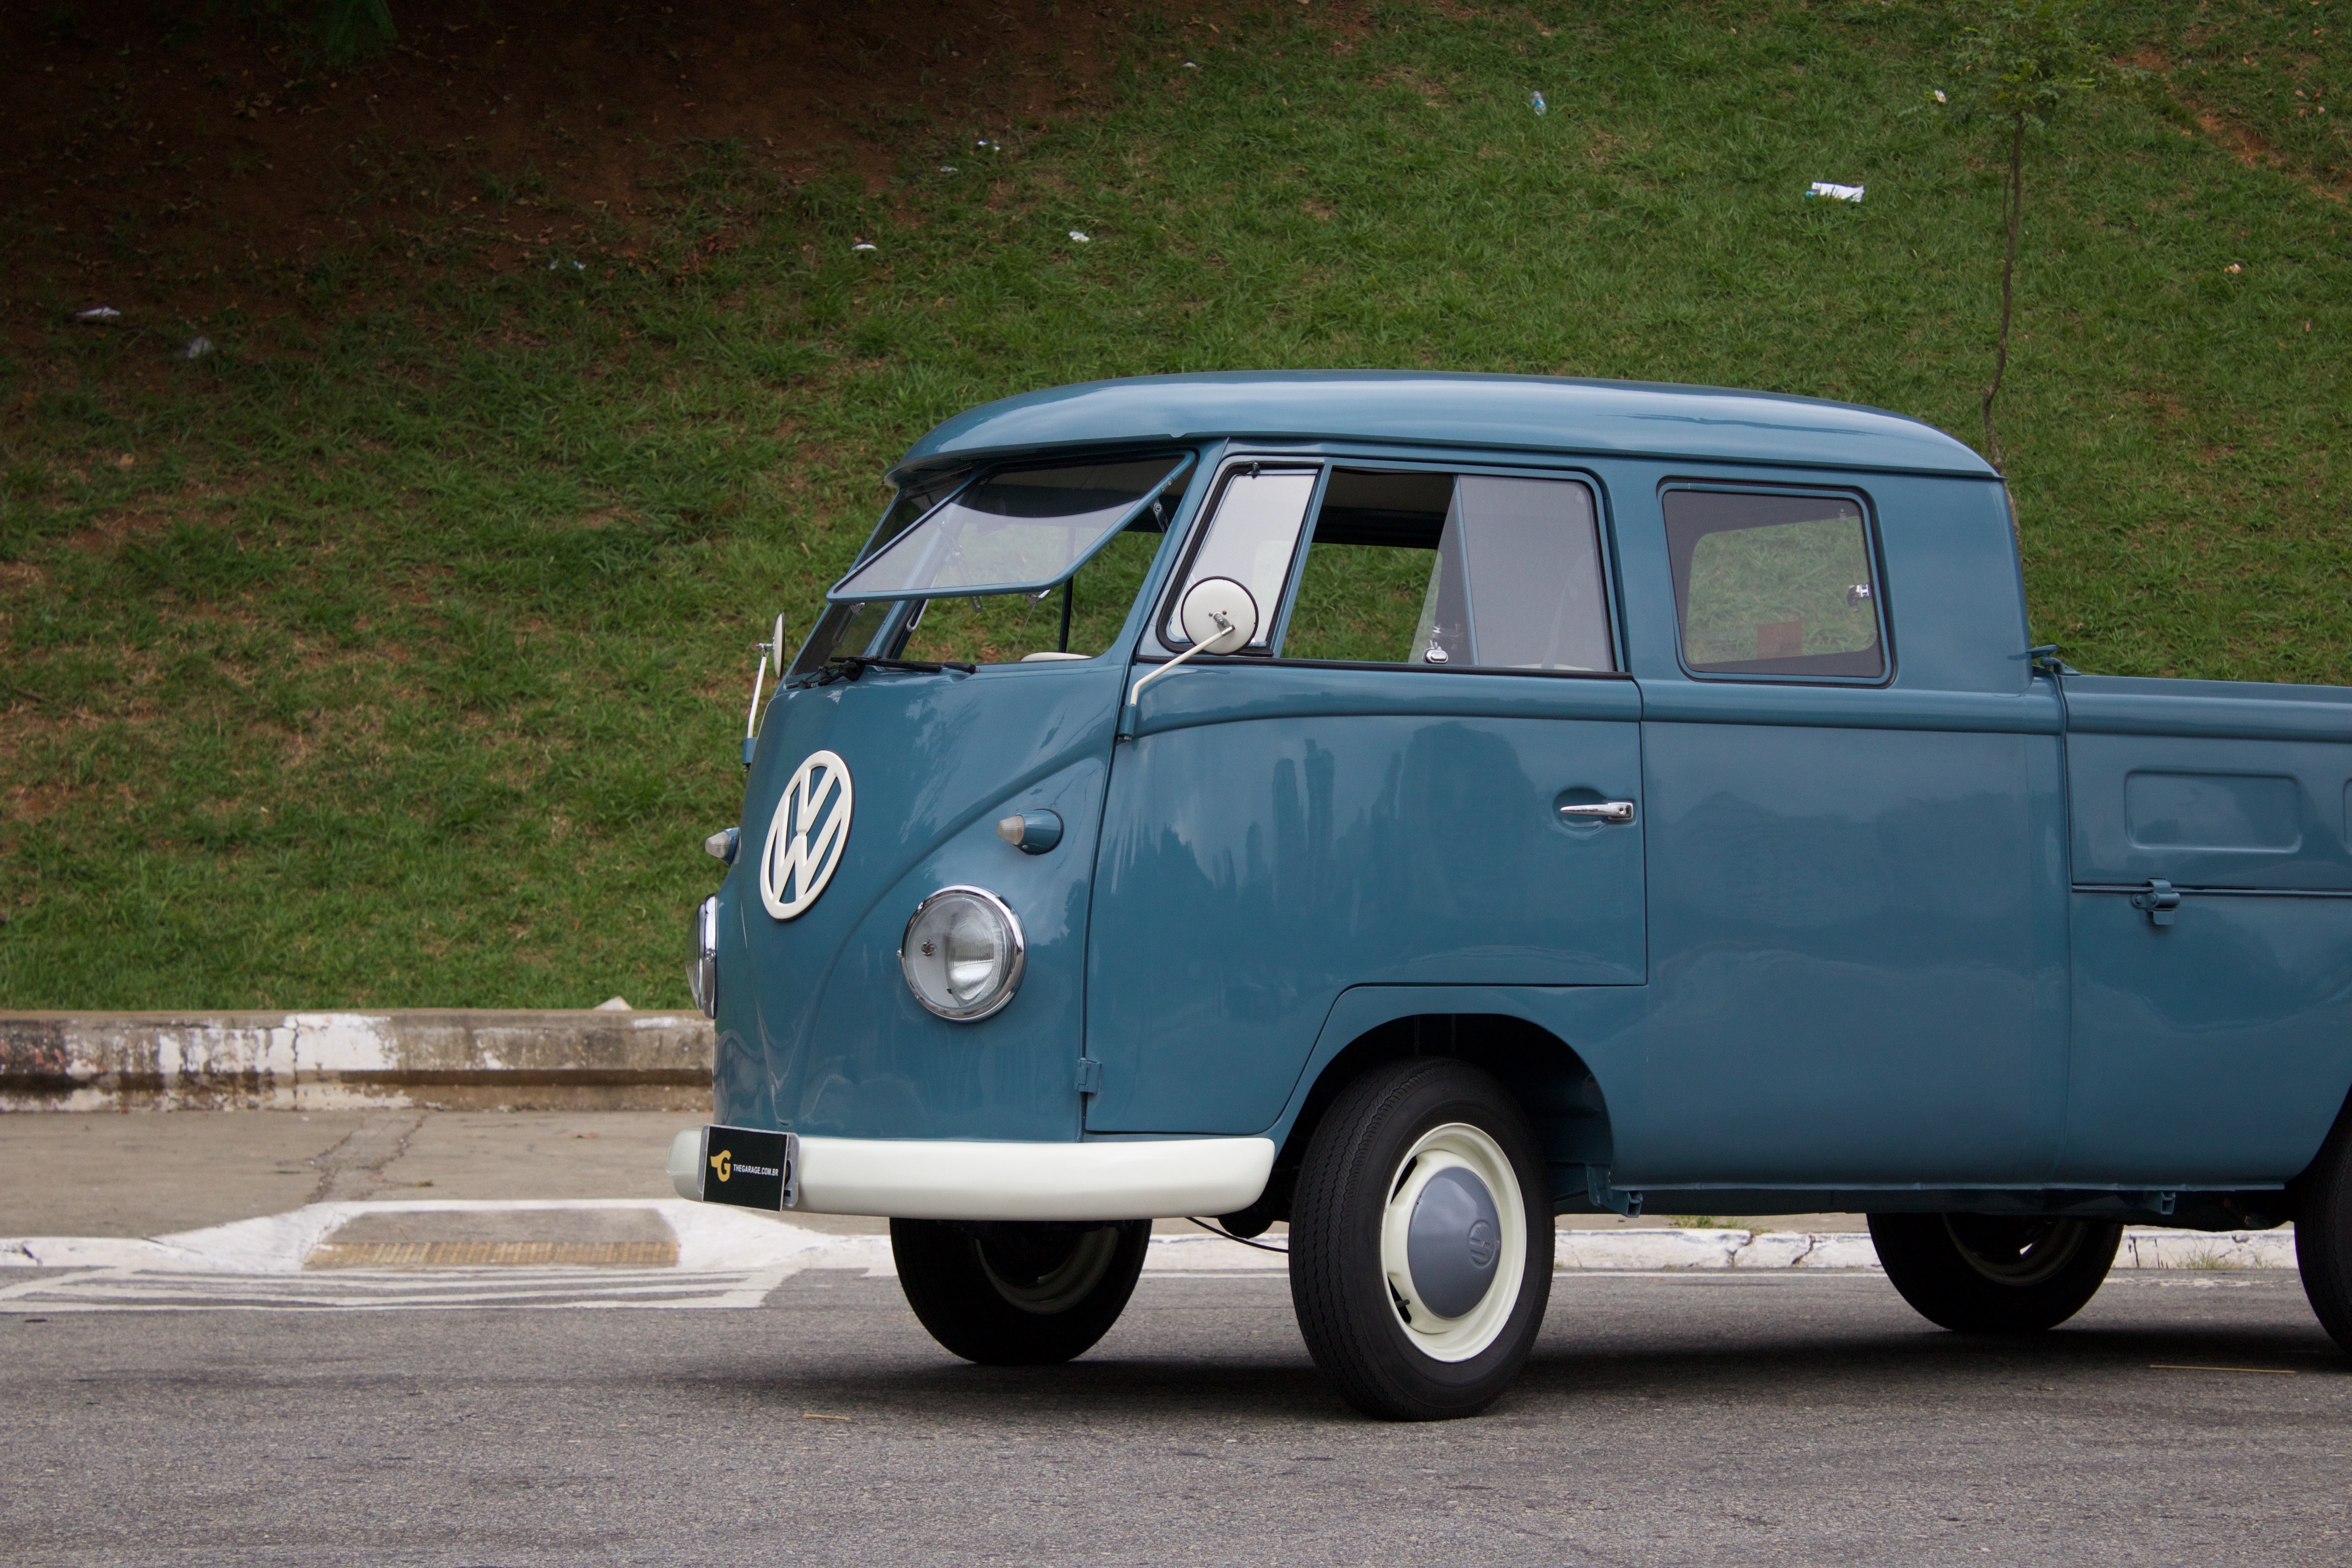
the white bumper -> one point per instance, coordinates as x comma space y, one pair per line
911, 1179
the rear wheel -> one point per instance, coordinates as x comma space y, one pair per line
1018, 1294
1421, 1251
1995, 1274
2323, 1232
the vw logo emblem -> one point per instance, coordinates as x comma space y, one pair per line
1483, 1245
806, 835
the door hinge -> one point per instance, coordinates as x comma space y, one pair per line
2160, 899
1089, 1075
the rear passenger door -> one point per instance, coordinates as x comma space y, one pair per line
1856, 932
1371, 793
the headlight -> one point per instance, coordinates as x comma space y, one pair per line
702, 970
962, 953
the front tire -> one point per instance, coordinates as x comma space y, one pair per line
1995, 1274
2323, 1232
1018, 1294
1420, 1250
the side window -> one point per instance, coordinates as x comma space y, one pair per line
1774, 585
1440, 569
1250, 539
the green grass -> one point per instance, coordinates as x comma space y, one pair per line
395, 653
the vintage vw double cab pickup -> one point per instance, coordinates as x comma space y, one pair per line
1411, 807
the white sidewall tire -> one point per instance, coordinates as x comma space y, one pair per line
1341, 1253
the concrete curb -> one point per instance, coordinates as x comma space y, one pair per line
478, 1060
713, 1239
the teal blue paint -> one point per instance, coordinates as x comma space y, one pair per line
1861, 943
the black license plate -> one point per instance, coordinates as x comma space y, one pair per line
750, 1169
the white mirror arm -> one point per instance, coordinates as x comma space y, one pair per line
751, 719
1225, 626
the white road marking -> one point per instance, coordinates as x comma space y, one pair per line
732, 1258
353, 1289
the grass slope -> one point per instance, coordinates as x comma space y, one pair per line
394, 653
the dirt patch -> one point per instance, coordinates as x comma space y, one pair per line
172, 168
2256, 153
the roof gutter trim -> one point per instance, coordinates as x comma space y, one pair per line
952, 455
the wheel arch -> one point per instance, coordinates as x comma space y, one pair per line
1552, 1080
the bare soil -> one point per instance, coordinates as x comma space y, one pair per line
171, 169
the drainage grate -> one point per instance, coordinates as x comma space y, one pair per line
473, 1254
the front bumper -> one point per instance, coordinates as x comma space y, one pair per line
915, 1179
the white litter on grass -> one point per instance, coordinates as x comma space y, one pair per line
197, 348
98, 313
2234, 267
1940, 98
862, 245
1835, 193
947, 168
613, 1005
1536, 101
577, 266
1081, 238
1190, 67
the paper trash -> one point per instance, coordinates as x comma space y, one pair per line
1835, 193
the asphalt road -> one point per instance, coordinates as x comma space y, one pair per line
1785, 1418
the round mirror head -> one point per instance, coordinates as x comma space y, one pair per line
776, 648
1219, 615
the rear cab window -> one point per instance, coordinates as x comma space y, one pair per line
1774, 583
1416, 567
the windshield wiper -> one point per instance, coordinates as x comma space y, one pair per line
852, 666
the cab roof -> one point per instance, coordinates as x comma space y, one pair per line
1622, 418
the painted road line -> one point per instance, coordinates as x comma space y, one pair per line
712, 1239
350, 1289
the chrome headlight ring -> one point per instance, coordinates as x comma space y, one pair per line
962, 953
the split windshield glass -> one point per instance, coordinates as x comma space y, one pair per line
1016, 531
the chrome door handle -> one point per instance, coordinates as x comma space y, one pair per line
1603, 810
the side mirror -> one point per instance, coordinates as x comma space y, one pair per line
1218, 615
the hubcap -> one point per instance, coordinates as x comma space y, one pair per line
2017, 1251
1454, 1242
1047, 1271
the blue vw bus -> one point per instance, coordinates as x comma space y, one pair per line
1412, 806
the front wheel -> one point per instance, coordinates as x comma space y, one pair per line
1995, 1274
1421, 1251
1018, 1294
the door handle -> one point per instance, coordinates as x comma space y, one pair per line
1602, 810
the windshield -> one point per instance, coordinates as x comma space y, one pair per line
849, 628
1019, 530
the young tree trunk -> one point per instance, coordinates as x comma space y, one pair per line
2008, 275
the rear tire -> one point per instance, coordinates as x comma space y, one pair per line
1421, 1250
1995, 1274
2322, 1232
1018, 1294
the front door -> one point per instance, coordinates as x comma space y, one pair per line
1373, 793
